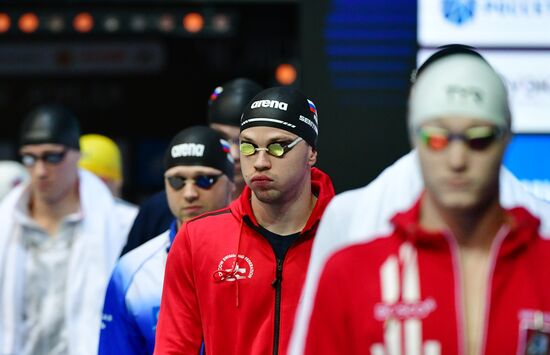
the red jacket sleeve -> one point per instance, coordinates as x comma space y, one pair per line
328, 332
179, 329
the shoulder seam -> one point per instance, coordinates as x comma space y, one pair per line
208, 214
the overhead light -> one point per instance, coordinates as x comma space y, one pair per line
28, 22
166, 23
193, 22
111, 23
138, 23
55, 23
83, 22
286, 74
5, 22
221, 23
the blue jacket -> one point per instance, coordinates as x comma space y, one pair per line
132, 301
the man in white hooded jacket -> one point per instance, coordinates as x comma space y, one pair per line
59, 241
361, 214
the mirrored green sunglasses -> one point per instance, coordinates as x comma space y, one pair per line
276, 149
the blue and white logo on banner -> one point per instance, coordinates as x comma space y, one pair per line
459, 12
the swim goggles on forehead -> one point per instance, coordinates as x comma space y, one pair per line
204, 182
476, 138
276, 149
54, 158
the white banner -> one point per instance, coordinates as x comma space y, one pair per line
527, 75
484, 23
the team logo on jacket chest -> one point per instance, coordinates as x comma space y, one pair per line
233, 267
404, 310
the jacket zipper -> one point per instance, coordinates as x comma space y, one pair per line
277, 319
277, 285
461, 311
459, 296
495, 250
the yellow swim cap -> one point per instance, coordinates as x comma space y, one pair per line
101, 156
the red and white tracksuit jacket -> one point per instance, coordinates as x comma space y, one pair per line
224, 285
401, 294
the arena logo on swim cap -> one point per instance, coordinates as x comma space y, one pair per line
187, 150
270, 103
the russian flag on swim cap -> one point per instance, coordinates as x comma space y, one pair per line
312, 107
225, 146
216, 93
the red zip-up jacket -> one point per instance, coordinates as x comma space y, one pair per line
402, 294
224, 285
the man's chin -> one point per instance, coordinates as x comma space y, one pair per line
46, 197
460, 204
266, 195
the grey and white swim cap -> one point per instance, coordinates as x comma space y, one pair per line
459, 85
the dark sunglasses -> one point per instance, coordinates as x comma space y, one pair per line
476, 138
54, 158
277, 149
204, 182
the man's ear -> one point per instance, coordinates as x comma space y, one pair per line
312, 157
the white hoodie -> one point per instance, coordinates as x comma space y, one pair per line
97, 244
358, 215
